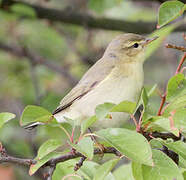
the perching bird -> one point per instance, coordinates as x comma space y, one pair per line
116, 77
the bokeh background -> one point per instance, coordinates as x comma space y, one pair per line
41, 59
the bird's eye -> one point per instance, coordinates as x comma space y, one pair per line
135, 45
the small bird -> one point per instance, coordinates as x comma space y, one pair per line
116, 77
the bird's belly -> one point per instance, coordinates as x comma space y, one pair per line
113, 91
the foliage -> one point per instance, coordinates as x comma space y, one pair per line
169, 11
145, 152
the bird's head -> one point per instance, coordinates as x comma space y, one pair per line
128, 47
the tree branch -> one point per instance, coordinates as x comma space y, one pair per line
4, 157
74, 155
36, 59
87, 20
20, 161
50, 171
149, 136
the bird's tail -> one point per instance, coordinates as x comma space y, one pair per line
58, 116
33, 125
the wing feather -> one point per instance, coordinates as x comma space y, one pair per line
89, 81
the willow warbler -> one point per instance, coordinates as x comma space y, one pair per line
116, 77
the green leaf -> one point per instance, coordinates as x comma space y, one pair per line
137, 171
128, 143
124, 172
89, 168
164, 168
103, 109
104, 169
5, 117
156, 143
182, 162
179, 147
176, 87
110, 176
169, 11
180, 119
66, 168
87, 123
124, 106
47, 147
85, 147
160, 123
144, 97
178, 103
34, 114
35, 167
23, 10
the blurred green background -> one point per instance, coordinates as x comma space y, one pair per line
41, 60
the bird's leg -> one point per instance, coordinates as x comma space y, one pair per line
100, 146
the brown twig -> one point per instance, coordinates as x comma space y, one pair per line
163, 99
80, 163
180, 48
20, 161
174, 156
181, 63
74, 155
183, 69
51, 170
164, 136
4, 157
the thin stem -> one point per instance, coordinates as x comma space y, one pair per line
72, 136
183, 69
51, 171
134, 119
180, 48
80, 163
163, 99
138, 128
181, 63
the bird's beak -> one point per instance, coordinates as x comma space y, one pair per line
149, 40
